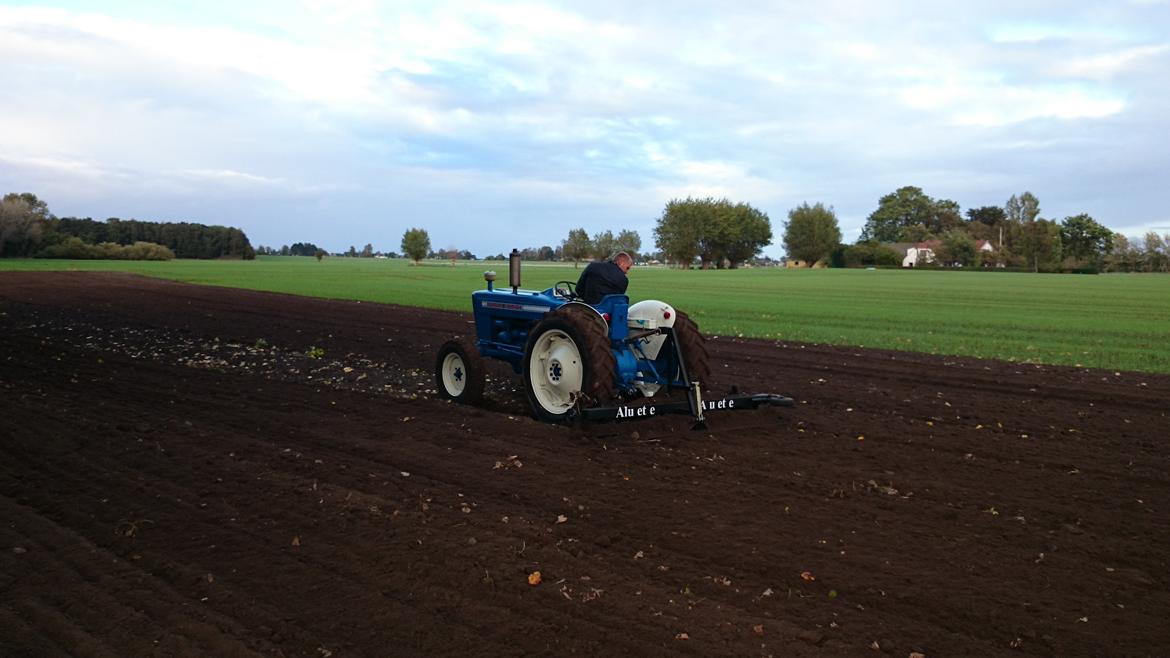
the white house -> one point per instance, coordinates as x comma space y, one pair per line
921, 253
924, 253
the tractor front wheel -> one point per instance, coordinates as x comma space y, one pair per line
567, 358
459, 371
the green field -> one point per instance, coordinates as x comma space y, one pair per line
1118, 321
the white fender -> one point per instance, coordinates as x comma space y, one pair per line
650, 314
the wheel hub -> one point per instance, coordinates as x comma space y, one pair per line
557, 371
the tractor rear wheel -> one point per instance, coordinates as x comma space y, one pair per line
459, 371
694, 349
567, 358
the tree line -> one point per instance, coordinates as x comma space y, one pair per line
714, 233
27, 228
1019, 238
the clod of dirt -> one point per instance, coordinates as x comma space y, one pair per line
814, 638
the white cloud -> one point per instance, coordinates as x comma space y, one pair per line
1111, 63
975, 104
229, 176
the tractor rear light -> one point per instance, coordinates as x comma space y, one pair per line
605, 316
666, 315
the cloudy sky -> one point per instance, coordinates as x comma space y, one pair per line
501, 124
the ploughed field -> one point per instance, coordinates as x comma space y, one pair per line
180, 476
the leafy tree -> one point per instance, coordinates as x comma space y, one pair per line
906, 207
1156, 252
416, 244
1022, 209
714, 231
678, 228
916, 233
319, 254
303, 249
22, 223
630, 242
1123, 256
743, 233
1085, 239
987, 215
987, 223
958, 248
604, 245
946, 216
866, 254
352, 253
577, 245
811, 232
75, 248
1038, 243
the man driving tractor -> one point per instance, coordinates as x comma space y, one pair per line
602, 278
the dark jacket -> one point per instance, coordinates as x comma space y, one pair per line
599, 279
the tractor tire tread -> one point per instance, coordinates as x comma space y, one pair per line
472, 360
600, 362
694, 349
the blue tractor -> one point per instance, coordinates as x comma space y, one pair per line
607, 361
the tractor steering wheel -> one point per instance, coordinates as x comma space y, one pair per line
569, 291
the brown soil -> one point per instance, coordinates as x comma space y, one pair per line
178, 478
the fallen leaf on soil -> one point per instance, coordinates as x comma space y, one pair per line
534, 578
296, 541
682, 636
916, 654
561, 518
807, 575
860, 437
758, 629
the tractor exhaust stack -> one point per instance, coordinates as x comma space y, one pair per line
514, 270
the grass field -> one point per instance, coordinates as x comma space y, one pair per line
1117, 321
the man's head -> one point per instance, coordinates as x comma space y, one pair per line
623, 260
